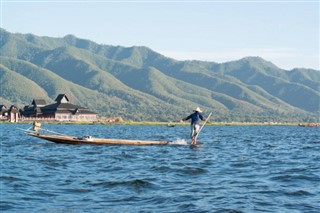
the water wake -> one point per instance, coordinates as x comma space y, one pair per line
178, 142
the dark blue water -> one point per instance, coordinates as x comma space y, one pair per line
236, 169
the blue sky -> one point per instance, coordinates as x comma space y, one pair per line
283, 32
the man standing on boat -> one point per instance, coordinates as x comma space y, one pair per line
195, 117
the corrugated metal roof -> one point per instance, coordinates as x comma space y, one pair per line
60, 97
65, 108
58, 107
39, 102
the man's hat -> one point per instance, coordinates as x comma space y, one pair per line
197, 110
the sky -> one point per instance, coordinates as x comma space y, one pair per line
285, 33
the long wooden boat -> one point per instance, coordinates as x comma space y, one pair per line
65, 139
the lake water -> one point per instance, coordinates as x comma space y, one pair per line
236, 169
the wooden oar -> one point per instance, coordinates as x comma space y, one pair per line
195, 138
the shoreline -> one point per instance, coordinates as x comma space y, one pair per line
155, 123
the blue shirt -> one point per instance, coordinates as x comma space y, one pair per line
195, 118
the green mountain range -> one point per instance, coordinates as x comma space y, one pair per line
137, 83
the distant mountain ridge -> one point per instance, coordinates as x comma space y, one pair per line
138, 83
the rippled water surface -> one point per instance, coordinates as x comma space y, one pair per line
236, 169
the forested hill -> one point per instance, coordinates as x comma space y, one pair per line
137, 83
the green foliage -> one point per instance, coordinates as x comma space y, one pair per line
139, 84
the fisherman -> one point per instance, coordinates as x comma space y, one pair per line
195, 117
36, 126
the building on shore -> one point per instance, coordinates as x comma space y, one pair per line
3, 112
62, 110
12, 114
